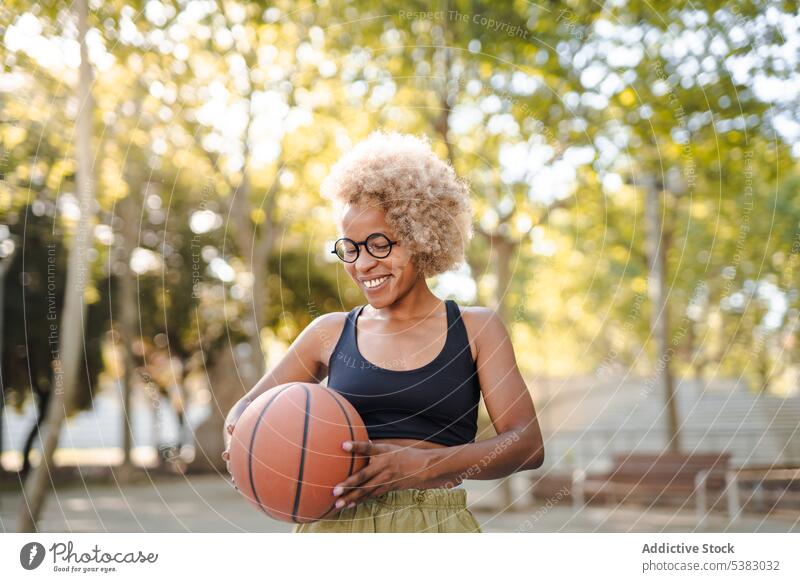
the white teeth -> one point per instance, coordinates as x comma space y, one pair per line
374, 282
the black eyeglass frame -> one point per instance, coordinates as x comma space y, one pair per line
365, 244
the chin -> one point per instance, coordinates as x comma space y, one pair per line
379, 303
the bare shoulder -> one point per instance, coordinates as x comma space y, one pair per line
324, 331
476, 311
330, 324
482, 320
329, 319
484, 327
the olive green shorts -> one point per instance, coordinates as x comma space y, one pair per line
407, 510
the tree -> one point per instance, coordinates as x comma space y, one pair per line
70, 341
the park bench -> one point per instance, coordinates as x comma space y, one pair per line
661, 475
771, 485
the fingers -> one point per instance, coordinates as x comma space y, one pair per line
362, 447
355, 481
365, 491
234, 414
359, 486
226, 456
362, 484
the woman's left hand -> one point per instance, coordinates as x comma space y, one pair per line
390, 467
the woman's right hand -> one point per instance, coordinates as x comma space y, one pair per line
230, 422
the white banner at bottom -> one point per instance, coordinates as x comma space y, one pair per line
399, 557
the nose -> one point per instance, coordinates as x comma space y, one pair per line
365, 261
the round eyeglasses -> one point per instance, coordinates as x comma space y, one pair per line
378, 245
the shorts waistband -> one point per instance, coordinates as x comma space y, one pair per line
438, 497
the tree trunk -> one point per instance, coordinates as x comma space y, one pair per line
262, 249
505, 255
67, 368
42, 399
127, 306
251, 244
226, 389
763, 367
4, 265
657, 242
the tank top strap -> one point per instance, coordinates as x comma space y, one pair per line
457, 338
344, 349
350, 326
351, 317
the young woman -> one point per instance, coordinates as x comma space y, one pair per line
413, 366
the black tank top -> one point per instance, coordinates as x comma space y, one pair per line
437, 402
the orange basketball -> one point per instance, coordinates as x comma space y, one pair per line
286, 450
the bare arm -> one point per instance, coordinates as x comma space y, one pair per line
301, 363
518, 445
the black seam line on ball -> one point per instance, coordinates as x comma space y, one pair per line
302, 456
352, 437
350, 428
250, 453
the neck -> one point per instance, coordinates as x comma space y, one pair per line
419, 302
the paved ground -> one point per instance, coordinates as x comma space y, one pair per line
209, 504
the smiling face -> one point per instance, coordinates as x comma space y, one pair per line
383, 281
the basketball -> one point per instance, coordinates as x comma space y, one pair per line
286, 451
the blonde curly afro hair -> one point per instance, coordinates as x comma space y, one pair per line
424, 202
